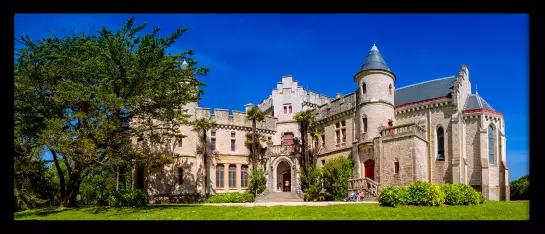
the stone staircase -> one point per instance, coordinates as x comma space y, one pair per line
279, 197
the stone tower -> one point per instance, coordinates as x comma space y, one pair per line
375, 97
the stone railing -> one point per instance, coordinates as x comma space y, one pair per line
405, 129
365, 183
275, 150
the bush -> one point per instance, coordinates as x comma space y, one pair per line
461, 194
426, 194
234, 197
130, 197
313, 191
336, 173
394, 196
258, 181
520, 188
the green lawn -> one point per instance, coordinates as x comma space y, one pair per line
490, 210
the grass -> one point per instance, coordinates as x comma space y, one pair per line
490, 210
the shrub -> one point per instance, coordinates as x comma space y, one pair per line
394, 196
258, 181
461, 194
426, 194
520, 188
335, 174
129, 197
313, 191
234, 197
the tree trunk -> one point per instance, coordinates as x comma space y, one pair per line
205, 160
61, 178
117, 183
254, 157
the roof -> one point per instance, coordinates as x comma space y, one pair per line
374, 61
423, 91
474, 101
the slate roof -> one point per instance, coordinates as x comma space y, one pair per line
423, 91
474, 101
374, 61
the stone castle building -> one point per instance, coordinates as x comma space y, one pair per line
437, 131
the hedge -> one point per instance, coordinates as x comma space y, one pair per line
234, 197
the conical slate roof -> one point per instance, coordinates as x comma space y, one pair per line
374, 61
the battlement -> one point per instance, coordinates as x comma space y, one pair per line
336, 106
237, 118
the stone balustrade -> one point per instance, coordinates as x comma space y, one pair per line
276, 150
404, 130
368, 185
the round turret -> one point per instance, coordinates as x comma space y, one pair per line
375, 96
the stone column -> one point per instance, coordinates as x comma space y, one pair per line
226, 177
483, 138
455, 157
238, 178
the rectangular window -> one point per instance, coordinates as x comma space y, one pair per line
219, 176
233, 134
343, 123
343, 133
337, 125
290, 109
285, 109
232, 176
180, 176
323, 141
233, 144
213, 144
337, 137
244, 176
396, 167
364, 124
213, 133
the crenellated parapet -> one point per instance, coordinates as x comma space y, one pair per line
336, 108
236, 120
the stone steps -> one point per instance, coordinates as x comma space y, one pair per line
279, 197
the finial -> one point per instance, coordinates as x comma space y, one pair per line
374, 47
476, 89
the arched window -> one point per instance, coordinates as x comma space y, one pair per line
232, 176
491, 158
244, 176
180, 175
390, 89
440, 143
363, 88
220, 169
396, 166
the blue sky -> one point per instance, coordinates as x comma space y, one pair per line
249, 53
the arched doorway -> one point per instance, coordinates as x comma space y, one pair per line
370, 169
283, 177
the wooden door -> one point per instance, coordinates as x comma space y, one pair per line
286, 187
370, 169
390, 127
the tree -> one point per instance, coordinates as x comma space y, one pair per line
254, 115
520, 188
316, 132
85, 96
202, 126
305, 119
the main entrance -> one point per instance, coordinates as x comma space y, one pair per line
283, 177
370, 169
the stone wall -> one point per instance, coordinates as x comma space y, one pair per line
472, 138
402, 150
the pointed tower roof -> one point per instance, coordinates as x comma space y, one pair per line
374, 61
184, 64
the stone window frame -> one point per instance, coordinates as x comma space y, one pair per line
233, 172
323, 141
244, 179
364, 123
396, 160
492, 157
220, 176
233, 141
363, 88
436, 151
390, 89
180, 176
341, 140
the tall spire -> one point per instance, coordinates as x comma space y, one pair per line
184, 64
374, 61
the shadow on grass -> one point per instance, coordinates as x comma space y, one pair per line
131, 210
38, 212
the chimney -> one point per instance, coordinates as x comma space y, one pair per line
249, 106
338, 96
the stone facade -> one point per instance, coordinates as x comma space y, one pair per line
393, 132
